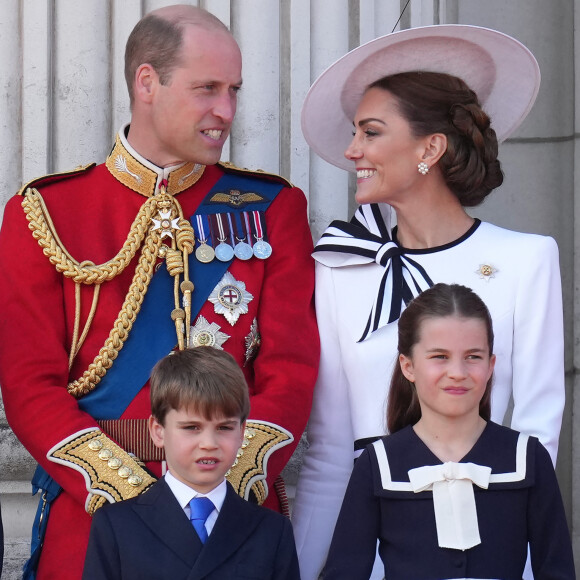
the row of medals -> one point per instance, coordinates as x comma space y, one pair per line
224, 251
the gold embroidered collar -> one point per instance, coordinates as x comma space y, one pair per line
140, 175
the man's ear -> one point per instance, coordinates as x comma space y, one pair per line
156, 431
145, 83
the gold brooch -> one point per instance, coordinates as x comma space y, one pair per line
486, 271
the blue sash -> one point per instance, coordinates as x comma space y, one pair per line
153, 333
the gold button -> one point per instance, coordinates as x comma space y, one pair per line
125, 472
114, 463
95, 444
105, 454
134, 480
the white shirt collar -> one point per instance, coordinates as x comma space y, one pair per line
184, 494
162, 172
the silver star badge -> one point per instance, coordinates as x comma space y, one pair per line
205, 333
486, 272
165, 224
230, 298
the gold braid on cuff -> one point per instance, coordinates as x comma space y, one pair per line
248, 474
110, 473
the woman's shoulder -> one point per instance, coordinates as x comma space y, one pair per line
517, 252
503, 235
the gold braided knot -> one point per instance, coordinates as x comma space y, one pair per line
185, 236
174, 261
44, 233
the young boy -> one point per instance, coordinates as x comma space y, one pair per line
199, 405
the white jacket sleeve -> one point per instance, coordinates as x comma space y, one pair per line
538, 346
329, 459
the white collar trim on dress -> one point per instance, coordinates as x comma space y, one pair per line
388, 484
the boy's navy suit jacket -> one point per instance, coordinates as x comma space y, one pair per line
149, 536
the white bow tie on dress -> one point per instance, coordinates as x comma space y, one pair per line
453, 499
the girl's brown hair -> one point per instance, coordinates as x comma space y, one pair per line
439, 301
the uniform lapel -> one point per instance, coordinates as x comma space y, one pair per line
236, 521
162, 514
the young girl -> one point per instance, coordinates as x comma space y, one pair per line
449, 494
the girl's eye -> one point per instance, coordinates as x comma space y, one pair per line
370, 133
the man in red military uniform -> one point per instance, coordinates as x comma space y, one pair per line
109, 267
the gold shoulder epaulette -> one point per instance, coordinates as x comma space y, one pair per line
53, 177
231, 168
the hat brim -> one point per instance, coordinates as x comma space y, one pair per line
503, 73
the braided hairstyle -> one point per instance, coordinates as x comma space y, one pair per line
441, 103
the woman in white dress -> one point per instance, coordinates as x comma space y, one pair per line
428, 106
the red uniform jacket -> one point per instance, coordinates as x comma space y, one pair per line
92, 213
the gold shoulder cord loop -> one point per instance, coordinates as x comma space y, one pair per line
76, 341
43, 231
145, 233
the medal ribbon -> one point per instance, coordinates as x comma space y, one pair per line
231, 226
220, 226
248, 228
200, 220
239, 227
258, 225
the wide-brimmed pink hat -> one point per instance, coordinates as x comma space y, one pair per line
502, 71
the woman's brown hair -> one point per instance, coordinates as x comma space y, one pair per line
441, 103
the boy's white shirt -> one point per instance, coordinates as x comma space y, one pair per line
184, 494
